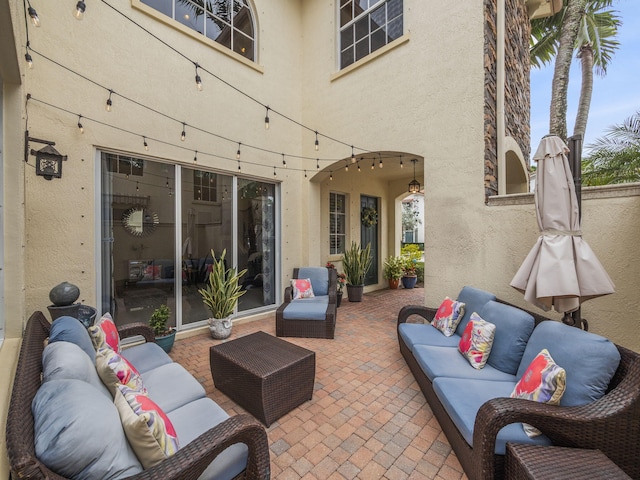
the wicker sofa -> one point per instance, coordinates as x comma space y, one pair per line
212, 444
479, 419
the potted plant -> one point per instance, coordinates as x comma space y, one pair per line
341, 279
165, 335
221, 296
409, 276
356, 262
393, 270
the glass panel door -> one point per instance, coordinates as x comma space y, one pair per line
207, 224
138, 231
256, 243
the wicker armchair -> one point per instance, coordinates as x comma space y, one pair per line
301, 325
188, 463
610, 424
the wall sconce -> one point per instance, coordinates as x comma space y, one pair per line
414, 185
48, 159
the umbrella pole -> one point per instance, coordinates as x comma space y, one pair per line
573, 319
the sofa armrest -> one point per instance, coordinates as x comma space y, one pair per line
288, 294
192, 459
133, 329
425, 312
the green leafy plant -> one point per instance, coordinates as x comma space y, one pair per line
393, 268
356, 262
411, 254
223, 289
158, 321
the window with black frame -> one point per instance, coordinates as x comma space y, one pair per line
366, 26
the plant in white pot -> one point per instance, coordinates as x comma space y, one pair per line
165, 335
221, 296
356, 262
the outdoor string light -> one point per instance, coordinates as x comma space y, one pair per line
238, 152
195, 157
145, 144
33, 15
317, 164
353, 157
198, 79
266, 119
284, 162
183, 135
401, 164
79, 11
80, 124
109, 102
380, 164
317, 144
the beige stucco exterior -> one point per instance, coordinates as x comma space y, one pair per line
422, 97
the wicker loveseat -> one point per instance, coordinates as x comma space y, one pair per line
210, 434
611, 423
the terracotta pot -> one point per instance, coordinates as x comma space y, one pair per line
394, 283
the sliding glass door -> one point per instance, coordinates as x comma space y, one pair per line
161, 226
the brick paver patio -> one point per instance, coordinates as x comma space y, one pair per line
368, 418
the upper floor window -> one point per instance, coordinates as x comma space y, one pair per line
366, 26
228, 22
205, 186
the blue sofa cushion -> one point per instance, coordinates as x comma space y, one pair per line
146, 356
78, 433
171, 387
424, 334
474, 299
449, 362
462, 398
195, 418
307, 309
513, 329
590, 361
69, 329
319, 277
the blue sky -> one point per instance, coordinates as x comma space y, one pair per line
616, 96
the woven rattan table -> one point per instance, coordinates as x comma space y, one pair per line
265, 375
529, 462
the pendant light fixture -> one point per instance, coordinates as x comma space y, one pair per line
414, 185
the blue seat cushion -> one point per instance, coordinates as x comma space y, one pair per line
474, 299
69, 329
590, 361
462, 398
146, 356
449, 362
513, 329
424, 334
195, 418
171, 386
319, 277
307, 309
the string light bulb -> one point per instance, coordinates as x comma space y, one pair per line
238, 152
80, 124
359, 167
137, 187
380, 164
373, 164
353, 157
195, 157
79, 11
29, 60
266, 119
317, 164
109, 102
274, 171
198, 79
167, 182
145, 144
183, 135
330, 175
305, 174
33, 15
317, 144
239, 167
284, 162
346, 166
401, 164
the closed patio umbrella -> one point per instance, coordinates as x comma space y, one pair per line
561, 271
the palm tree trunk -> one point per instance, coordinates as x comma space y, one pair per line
568, 35
586, 58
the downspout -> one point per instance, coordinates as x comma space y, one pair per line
500, 86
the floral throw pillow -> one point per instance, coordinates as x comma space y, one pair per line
448, 316
302, 288
114, 370
543, 381
148, 429
477, 340
104, 334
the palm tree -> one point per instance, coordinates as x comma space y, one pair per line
615, 158
585, 26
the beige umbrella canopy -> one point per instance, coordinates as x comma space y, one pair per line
561, 271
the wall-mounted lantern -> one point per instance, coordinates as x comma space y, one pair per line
48, 159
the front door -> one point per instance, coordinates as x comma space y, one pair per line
369, 234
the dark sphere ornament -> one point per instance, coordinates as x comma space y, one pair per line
63, 294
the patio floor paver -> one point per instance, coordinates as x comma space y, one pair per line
368, 418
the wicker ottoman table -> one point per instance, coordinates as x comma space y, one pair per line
265, 375
529, 462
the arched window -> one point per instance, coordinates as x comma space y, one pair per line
228, 22
366, 26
